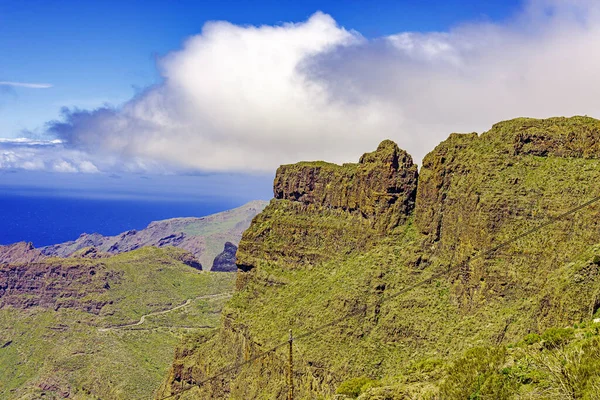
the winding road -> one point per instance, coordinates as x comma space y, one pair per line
143, 317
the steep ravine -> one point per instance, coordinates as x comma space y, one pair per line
341, 238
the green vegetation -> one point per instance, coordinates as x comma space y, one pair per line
355, 386
550, 369
50, 353
308, 263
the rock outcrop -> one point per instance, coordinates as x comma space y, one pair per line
21, 252
225, 261
464, 167
322, 210
55, 285
381, 187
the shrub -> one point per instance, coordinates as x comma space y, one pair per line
477, 375
556, 337
355, 386
532, 338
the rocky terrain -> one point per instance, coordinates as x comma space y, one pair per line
381, 187
19, 253
225, 261
354, 239
55, 285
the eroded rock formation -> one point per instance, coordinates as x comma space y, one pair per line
381, 187
21, 252
225, 261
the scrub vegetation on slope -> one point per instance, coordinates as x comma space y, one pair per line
312, 256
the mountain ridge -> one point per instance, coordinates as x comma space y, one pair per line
304, 261
204, 237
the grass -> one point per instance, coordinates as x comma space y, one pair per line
312, 265
64, 351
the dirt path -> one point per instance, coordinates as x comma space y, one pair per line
143, 318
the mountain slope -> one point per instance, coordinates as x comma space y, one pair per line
204, 237
19, 252
68, 326
323, 249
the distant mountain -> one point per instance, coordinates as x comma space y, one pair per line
19, 253
204, 237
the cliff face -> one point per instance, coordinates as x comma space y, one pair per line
225, 261
507, 158
322, 210
475, 191
55, 285
352, 238
381, 187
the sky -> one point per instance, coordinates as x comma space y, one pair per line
199, 92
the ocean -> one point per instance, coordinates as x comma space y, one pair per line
46, 220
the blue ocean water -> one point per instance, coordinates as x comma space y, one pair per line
50, 220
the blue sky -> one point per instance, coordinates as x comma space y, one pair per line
104, 52
159, 89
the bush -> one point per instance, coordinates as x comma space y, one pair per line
477, 375
556, 337
532, 338
355, 386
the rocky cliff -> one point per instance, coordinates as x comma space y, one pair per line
225, 261
323, 210
380, 188
55, 285
353, 239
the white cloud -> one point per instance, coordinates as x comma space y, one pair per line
234, 99
29, 142
250, 98
26, 85
43, 155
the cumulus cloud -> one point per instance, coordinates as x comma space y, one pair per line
250, 98
234, 99
56, 156
42, 155
26, 85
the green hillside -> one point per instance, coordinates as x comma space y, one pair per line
62, 336
312, 257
